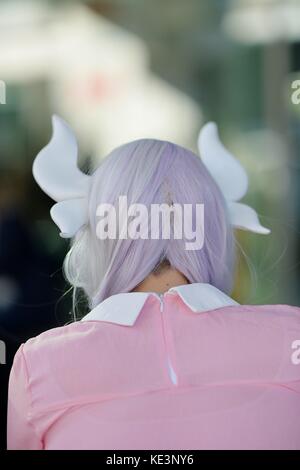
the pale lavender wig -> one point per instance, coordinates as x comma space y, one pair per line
151, 171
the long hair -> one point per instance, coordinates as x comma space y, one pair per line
149, 171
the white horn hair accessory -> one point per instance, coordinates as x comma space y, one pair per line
56, 171
231, 178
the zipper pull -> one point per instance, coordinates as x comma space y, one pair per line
161, 298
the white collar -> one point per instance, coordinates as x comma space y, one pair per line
124, 308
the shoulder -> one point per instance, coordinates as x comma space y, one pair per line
73, 346
272, 313
59, 364
268, 322
56, 342
261, 341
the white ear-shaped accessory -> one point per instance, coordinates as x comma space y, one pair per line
56, 171
231, 178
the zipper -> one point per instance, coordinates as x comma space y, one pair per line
171, 371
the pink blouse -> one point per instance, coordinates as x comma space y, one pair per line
190, 369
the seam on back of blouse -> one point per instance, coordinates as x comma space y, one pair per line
97, 399
29, 414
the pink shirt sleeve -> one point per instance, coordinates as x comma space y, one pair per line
21, 434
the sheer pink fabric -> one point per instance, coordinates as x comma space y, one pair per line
176, 379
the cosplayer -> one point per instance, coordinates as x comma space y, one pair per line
165, 358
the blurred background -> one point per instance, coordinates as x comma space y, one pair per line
118, 70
